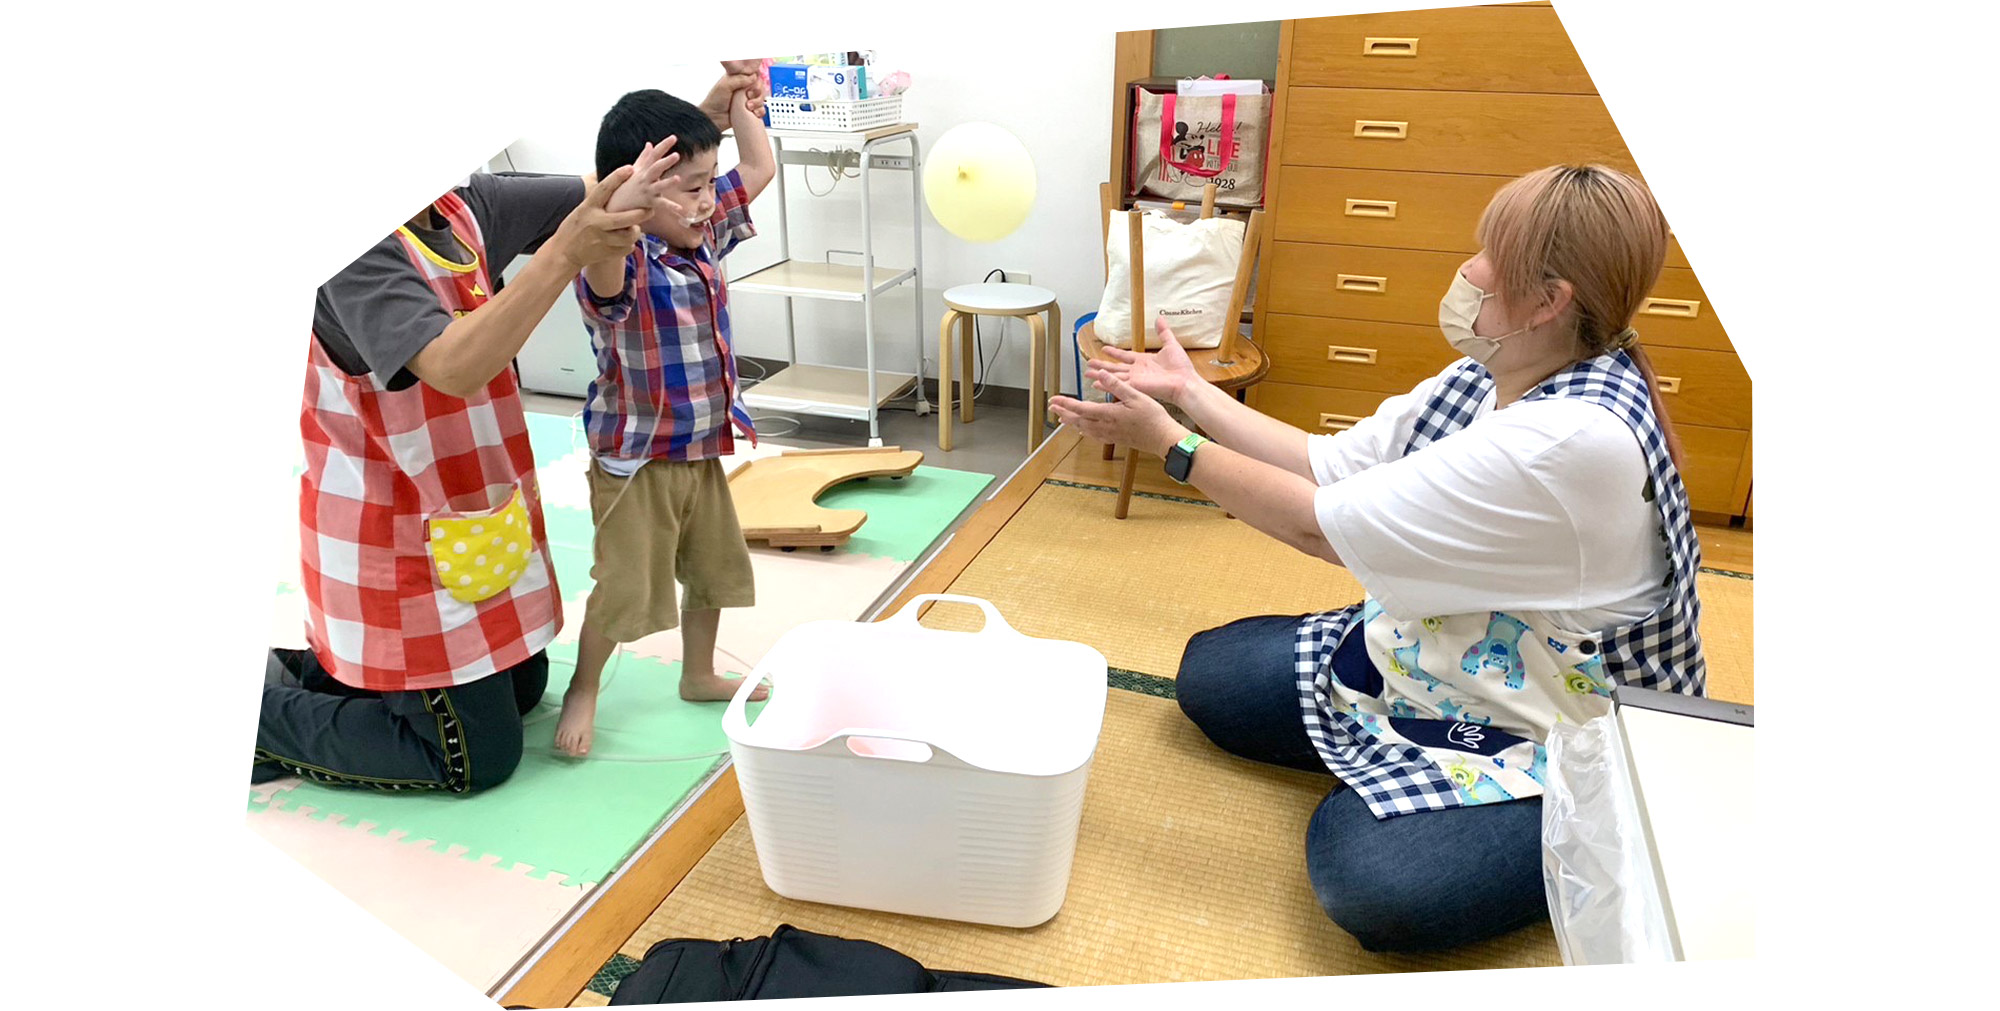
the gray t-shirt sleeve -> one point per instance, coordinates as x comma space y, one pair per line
378, 312
519, 211
381, 312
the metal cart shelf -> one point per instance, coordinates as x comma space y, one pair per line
826, 390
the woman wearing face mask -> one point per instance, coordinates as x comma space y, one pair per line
1521, 529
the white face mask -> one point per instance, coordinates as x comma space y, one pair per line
1456, 313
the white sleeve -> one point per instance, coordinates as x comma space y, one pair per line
1378, 437
1538, 507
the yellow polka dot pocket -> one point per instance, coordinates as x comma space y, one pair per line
478, 557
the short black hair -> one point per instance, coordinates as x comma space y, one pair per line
647, 117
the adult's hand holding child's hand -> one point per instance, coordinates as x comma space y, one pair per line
592, 233
737, 76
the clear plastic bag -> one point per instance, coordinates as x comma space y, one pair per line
1604, 894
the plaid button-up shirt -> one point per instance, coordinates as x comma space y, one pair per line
666, 378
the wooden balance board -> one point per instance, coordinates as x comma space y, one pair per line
774, 496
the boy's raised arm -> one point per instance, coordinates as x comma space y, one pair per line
758, 166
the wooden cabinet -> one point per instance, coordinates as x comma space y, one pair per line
1390, 134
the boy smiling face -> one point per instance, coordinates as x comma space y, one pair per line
684, 226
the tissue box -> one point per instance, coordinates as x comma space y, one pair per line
788, 80
836, 84
819, 83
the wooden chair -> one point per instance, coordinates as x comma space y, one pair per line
1234, 366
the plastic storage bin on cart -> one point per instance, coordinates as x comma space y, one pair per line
833, 116
919, 771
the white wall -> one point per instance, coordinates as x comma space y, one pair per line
1048, 88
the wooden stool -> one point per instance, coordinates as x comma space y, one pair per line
963, 305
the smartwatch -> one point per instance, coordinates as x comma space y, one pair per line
1180, 458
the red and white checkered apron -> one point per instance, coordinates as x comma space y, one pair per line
379, 464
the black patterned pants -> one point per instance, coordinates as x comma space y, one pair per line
460, 740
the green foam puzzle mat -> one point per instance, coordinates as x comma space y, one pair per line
578, 820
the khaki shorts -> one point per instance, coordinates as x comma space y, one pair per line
676, 522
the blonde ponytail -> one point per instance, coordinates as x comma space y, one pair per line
1600, 231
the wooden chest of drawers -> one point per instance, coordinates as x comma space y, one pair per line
1390, 133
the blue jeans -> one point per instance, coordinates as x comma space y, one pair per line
1415, 882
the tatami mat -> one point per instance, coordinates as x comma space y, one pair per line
1189, 866
1137, 588
1726, 628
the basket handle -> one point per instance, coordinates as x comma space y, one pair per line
839, 744
734, 723
994, 623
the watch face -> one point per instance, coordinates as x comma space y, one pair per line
1179, 462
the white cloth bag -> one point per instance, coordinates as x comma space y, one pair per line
1190, 272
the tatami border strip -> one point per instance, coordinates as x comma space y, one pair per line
1136, 493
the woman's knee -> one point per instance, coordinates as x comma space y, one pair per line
1220, 662
1358, 889
1396, 893
1201, 671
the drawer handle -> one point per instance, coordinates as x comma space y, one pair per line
1352, 356
1338, 422
1681, 308
1356, 282
1381, 129
1669, 384
1371, 208
1388, 47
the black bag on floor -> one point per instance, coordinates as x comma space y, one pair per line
789, 963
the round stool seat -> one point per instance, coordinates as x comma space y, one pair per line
1006, 299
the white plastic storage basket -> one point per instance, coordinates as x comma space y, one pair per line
919, 771
832, 116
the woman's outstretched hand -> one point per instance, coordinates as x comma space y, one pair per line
1132, 418
1164, 375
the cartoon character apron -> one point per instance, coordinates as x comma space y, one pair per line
424, 553
1458, 706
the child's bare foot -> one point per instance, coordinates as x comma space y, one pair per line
577, 723
716, 688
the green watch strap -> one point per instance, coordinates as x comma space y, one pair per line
1191, 443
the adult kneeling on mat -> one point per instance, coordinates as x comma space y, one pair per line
429, 593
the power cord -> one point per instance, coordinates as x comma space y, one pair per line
746, 382
833, 169
979, 343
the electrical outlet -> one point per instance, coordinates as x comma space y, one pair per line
1017, 276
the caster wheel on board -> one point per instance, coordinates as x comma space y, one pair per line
826, 549
788, 549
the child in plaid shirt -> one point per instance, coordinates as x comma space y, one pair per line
664, 403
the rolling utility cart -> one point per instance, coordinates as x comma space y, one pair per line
841, 135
